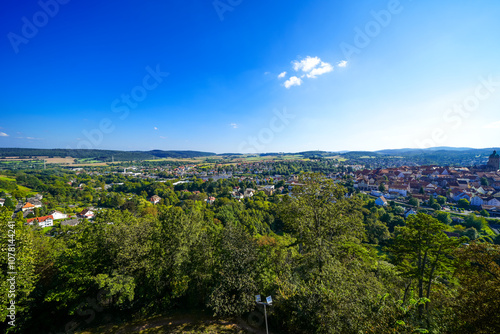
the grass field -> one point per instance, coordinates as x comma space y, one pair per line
27, 190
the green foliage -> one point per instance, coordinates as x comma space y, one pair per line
235, 287
476, 307
441, 200
414, 201
444, 217
317, 251
19, 257
484, 213
463, 203
476, 222
422, 252
321, 293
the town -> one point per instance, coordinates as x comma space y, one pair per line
458, 190
106, 210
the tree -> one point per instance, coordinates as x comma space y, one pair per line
321, 292
443, 217
471, 233
422, 252
236, 273
477, 304
475, 221
432, 201
414, 201
381, 188
376, 231
484, 213
321, 217
441, 200
9, 203
396, 221
421, 191
484, 181
463, 203
19, 258
436, 206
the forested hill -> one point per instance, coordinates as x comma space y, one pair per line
104, 155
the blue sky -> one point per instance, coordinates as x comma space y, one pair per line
359, 76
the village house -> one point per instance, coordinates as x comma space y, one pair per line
27, 206
269, 190
86, 213
42, 221
249, 192
70, 222
410, 212
155, 199
400, 189
381, 201
58, 215
237, 195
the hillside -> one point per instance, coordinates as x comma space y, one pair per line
102, 155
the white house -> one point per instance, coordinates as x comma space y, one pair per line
410, 212
28, 206
58, 215
402, 190
269, 189
492, 201
89, 214
42, 221
381, 201
249, 192
155, 199
2, 201
476, 201
461, 195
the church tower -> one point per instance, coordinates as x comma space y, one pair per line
494, 161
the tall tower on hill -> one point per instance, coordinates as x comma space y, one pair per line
494, 161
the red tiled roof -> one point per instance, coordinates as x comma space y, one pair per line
39, 219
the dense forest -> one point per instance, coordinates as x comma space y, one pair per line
332, 261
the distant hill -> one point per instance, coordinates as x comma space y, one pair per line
357, 154
179, 154
433, 154
103, 155
421, 150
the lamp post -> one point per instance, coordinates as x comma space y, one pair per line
268, 302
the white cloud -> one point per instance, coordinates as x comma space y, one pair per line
155, 128
3, 134
324, 68
307, 64
162, 137
342, 63
494, 125
234, 125
310, 67
293, 81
